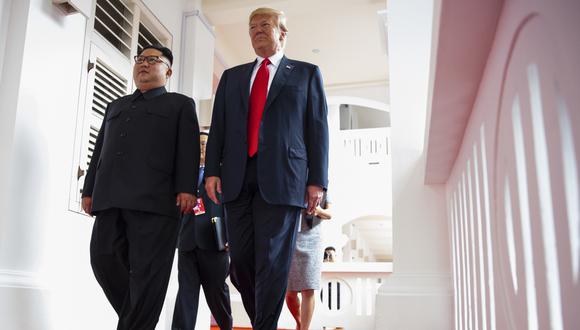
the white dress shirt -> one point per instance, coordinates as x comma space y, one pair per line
272, 68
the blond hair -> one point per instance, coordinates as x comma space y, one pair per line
279, 16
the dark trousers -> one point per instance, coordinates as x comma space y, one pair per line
131, 255
208, 269
261, 238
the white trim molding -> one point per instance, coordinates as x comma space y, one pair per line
402, 295
417, 284
20, 279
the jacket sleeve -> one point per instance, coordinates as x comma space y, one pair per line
215, 143
92, 170
187, 149
317, 132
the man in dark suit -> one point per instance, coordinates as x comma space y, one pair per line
141, 177
201, 263
268, 155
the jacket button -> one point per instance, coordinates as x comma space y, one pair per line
133, 107
119, 153
128, 119
123, 134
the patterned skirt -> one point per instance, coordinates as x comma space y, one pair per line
307, 259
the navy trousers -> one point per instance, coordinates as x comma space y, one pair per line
262, 238
208, 269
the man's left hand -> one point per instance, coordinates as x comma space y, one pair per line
186, 202
314, 196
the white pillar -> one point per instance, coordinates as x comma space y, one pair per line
197, 56
39, 89
5, 7
12, 31
15, 261
418, 294
23, 291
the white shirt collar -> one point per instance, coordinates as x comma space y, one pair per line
274, 59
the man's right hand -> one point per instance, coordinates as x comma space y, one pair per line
213, 185
87, 204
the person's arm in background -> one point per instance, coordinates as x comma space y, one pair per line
323, 213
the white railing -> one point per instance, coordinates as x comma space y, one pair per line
349, 303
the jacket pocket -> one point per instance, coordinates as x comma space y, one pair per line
113, 113
299, 153
160, 165
158, 111
294, 88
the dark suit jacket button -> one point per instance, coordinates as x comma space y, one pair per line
128, 119
133, 107
119, 153
123, 134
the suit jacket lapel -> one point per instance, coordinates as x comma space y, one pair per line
245, 85
282, 74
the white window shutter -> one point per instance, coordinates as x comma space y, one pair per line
105, 84
114, 22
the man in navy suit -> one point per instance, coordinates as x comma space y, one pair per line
267, 155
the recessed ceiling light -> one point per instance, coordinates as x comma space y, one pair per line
316, 50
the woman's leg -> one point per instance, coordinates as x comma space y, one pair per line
293, 303
307, 309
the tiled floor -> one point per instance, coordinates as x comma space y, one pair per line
217, 328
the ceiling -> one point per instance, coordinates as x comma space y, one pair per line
455, 91
349, 35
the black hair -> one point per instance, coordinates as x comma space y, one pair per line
328, 255
164, 50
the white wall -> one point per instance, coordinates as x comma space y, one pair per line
5, 7
46, 281
378, 91
170, 14
350, 177
9, 82
421, 277
513, 190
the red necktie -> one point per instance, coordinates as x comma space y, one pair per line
257, 102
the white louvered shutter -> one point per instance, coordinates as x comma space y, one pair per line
114, 22
107, 82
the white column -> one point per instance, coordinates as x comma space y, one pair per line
23, 294
418, 294
13, 256
39, 89
12, 31
5, 7
197, 56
